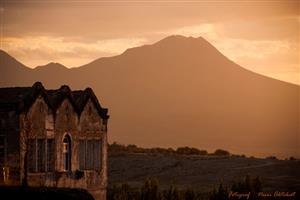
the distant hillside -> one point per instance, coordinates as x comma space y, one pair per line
203, 173
181, 92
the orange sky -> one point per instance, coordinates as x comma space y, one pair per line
261, 35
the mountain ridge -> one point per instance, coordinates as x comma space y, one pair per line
183, 91
168, 39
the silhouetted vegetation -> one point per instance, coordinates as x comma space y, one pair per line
248, 185
116, 148
122, 192
272, 157
292, 158
221, 152
220, 194
150, 190
190, 151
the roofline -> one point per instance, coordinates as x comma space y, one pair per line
39, 90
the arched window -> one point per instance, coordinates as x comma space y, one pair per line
67, 153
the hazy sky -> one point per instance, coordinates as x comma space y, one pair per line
260, 35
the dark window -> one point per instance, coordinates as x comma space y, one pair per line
81, 154
2, 149
37, 155
2, 138
41, 155
89, 154
67, 153
31, 155
97, 154
1, 157
50, 155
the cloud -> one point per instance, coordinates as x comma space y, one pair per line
239, 48
61, 50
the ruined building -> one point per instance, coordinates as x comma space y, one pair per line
53, 138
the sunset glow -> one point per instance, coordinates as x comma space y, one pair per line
150, 99
261, 36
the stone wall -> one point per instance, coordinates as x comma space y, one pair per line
40, 123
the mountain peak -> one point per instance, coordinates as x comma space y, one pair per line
177, 46
174, 39
52, 66
180, 37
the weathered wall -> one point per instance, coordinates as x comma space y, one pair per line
37, 123
36, 119
93, 127
66, 121
40, 123
90, 122
9, 133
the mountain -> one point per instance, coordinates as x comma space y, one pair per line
11, 70
183, 91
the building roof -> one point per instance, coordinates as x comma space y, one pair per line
21, 98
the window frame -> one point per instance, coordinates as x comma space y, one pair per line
67, 154
34, 162
91, 158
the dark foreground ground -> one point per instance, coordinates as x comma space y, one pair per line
202, 173
43, 193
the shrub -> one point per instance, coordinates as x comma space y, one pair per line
189, 194
122, 192
292, 158
190, 151
220, 194
117, 149
271, 157
171, 194
252, 185
150, 190
221, 152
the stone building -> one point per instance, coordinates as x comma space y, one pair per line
53, 138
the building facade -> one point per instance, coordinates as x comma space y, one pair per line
53, 138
